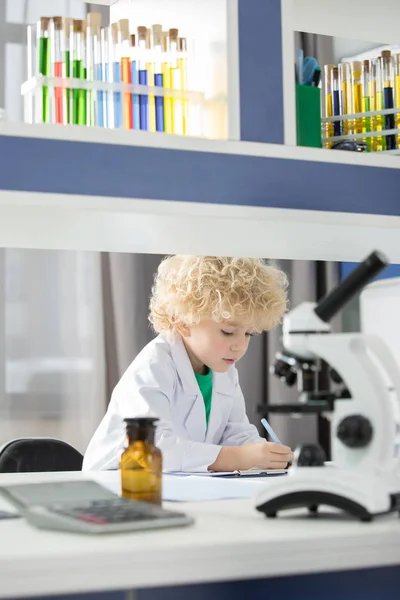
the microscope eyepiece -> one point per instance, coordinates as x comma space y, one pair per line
334, 301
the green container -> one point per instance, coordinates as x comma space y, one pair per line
308, 116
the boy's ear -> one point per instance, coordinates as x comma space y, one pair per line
183, 329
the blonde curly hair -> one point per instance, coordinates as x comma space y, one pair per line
190, 289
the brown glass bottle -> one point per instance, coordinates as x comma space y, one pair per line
141, 462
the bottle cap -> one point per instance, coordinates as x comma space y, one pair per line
140, 421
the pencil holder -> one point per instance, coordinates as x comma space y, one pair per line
308, 116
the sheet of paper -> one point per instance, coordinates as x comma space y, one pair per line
200, 489
192, 488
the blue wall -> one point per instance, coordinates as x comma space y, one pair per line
390, 271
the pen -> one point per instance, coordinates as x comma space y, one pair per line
309, 65
299, 66
271, 433
316, 77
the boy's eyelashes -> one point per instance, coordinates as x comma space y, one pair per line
248, 333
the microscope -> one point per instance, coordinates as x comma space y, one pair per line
363, 408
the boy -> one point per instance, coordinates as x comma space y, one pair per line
205, 309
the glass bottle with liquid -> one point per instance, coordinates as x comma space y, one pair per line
141, 462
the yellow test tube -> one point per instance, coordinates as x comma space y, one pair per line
176, 84
397, 94
366, 101
328, 101
378, 142
184, 84
166, 72
356, 85
346, 96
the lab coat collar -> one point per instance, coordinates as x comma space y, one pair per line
222, 382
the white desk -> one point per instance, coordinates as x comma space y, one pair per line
230, 541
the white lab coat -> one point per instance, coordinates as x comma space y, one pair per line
161, 382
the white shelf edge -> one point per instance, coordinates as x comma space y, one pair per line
101, 2
289, 91
55, 221
174, 142
233, 70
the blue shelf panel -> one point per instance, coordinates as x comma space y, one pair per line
260, 71
109, 170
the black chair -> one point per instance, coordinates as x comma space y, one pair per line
33, 455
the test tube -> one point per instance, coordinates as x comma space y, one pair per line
104, 119
378, 142
335, 90
366, 100
115, 51
177, 108
346, 96
143, 78
158, 76
67, 65
135, 80
356, 85
166, 72
126, 75
388, 96
94, 99
397, 87
31, 98
110, 77
328, 101
56, 33
150, 79
184, 84
43, 58
83, 92
78, 111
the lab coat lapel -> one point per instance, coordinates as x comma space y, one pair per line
221, 405
194, 418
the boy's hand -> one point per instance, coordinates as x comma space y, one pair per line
253, 456
266, 456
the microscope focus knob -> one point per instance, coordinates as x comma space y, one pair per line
309, 455
355, 431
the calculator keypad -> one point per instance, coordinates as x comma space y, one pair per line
108, 512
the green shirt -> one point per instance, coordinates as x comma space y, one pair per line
205, 384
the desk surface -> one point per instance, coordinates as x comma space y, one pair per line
229, 541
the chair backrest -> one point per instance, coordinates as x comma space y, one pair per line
39, 455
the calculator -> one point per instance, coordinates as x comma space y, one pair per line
86, 507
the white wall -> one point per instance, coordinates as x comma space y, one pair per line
344, 47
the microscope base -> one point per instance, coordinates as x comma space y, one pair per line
362, 495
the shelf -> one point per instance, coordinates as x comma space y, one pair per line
92, 189
354, 19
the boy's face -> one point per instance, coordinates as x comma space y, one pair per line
216, 345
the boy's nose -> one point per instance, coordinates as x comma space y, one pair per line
237, 347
